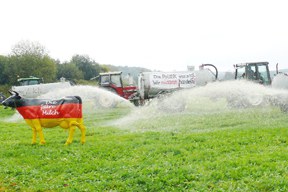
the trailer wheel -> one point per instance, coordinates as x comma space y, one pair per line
136, 103
171, 105
280, 101
106, 101
284, 108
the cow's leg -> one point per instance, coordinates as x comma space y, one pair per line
34, 135
38, 127
82, 128
71, 134
83, 132
41, 135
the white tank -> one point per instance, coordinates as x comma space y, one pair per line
151, 84
33, 91
280, 81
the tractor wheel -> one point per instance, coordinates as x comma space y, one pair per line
241, 101
280, 101
255, 100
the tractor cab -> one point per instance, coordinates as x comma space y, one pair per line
29, 81
113, 82
112, 79
256, 71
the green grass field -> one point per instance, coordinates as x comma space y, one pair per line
235, 150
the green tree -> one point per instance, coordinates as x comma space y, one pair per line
70, 71
30, 59
29, 48
104, 68
88, 66
3, 63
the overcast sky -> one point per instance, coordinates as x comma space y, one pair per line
156, 34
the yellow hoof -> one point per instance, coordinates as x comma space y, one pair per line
42, 143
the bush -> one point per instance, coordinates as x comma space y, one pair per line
4, 89
85, 82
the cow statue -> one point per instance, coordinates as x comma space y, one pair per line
38, 113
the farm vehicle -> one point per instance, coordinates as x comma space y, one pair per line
154, 84
259, 72
33, 87
162, 84
113, 82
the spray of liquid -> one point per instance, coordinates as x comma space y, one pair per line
214, 98
90, 96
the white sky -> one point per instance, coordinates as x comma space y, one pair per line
156, 34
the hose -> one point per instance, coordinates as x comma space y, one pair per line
211, 65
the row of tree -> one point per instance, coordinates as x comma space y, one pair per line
31, 59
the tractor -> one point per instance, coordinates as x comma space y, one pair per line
259, 72
152, 84
113, 82
255, 71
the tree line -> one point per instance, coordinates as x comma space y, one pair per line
31, 59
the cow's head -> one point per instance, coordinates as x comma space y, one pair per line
11, 101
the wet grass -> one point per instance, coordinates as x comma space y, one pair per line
242, 150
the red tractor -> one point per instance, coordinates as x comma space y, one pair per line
113, 82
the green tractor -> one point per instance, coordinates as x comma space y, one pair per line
256, 71
29, 81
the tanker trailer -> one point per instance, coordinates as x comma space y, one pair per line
154, 84
162, 85
280, 81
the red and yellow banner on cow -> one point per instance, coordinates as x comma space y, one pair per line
47, 109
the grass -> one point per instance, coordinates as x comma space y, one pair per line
233, 151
